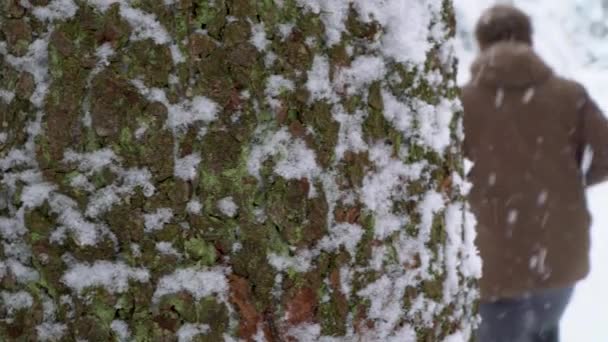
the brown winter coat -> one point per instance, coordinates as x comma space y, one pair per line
526, 132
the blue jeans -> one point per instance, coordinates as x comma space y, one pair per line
533, 318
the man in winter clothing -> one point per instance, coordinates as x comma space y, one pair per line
536, 140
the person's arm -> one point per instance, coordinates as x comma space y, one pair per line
467, 121
595, 142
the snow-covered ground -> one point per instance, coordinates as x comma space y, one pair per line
572, 36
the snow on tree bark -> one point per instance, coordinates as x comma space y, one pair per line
232, 169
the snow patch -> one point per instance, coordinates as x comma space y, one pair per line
457, 253
200, 109
407, 24
102, 200
305, 332
184, 113
35, 62
56, 10
471, 266
275, 86
258, 36
188, 331
112, 276
91, 162
156, 220
346, 279
23, 274
198, 281
342, 234
293, 159
458, 336
285, 30
176, 54
50, 331
318, 83
227, 206
86, 233
397, 112
350, 135
363, 71
381, 188
34, 195
15, 301
144, 25
166, 248
385, 308
186, 168
435, 121
194, 207
121, 329
301, 262
7, 96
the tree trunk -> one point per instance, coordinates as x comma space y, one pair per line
209, 170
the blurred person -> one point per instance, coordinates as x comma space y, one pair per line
537, 141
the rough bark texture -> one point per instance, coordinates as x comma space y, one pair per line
170, 171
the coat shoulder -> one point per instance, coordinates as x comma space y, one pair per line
569, 88
467, 92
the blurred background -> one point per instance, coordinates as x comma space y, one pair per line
572, 37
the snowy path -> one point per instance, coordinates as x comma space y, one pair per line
587, 316
562, 37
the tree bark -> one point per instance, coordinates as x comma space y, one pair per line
210, 170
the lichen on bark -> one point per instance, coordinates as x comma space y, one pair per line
231, 169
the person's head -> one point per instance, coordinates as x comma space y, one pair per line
503, 23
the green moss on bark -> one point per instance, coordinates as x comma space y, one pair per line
274, 216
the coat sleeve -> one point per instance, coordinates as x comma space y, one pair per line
467, 121
595, 142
